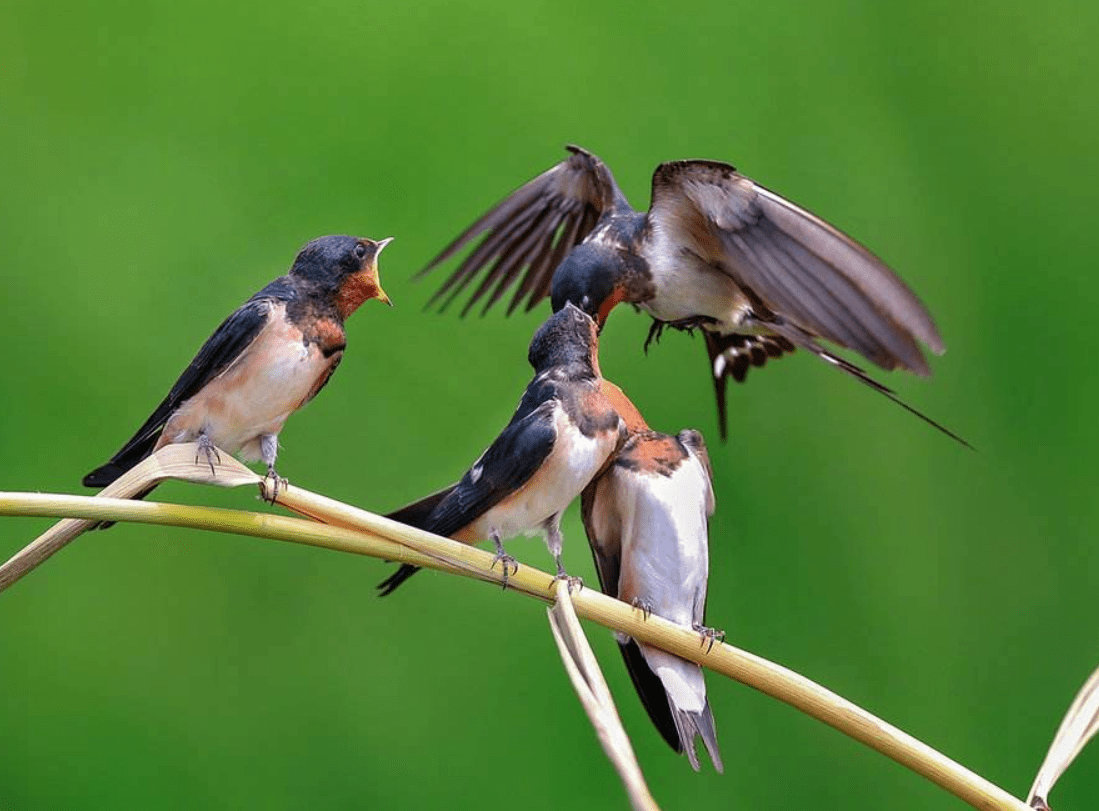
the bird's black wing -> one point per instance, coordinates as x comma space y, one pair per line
227, 344
415, 515
607, 553
529, 233
790, 263
508, 464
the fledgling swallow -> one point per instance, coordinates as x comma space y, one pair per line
561, 435
647, 520
715, 251
266, 360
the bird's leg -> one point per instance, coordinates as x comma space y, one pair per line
708, 634
502, 557
554, 540
689, 325
206, 448
269, 450
644, 606
655, 331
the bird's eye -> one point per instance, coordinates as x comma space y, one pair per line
360, 251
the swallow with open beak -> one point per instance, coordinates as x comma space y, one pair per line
561, 435
647, 520
757, 274
265, 361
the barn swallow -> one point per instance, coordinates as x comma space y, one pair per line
266, 360
716, 251
647, 519
561, 435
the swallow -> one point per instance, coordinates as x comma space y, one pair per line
756, 274
647, 521
267, 359
562, 434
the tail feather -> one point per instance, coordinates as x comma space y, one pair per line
651, 691
701, 724
120, 463
802, 339
415, 515
135, 497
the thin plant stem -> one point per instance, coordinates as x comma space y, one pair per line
349, 529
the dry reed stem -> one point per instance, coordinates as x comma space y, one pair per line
350, 529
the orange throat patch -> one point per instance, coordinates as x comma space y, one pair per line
625, 408
358, 287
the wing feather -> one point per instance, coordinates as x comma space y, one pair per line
794, 263
229, 341
528, 233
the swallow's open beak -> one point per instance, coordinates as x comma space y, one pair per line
381, 294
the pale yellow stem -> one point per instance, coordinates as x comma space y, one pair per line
361, 532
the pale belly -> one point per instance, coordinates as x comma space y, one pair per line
252, 398
573, 463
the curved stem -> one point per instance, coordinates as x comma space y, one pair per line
349, 529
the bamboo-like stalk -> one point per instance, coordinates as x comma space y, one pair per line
350, 529
591, 688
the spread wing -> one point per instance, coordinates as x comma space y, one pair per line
227, 343
529, 233
789, 263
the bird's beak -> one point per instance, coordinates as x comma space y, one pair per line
381, 294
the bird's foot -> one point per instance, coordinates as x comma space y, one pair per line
571, 581
505, 560
206, 448
708, 635
656, 329
271, 484
689, 325
644, 606
502, 558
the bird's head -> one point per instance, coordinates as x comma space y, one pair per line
345, 267
592, 278
568, 336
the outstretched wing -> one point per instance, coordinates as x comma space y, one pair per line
790, 263
529, 233
228, 342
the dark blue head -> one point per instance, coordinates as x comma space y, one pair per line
344, 267
568, 336
588, 279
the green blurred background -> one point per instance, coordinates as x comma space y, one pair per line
161, 162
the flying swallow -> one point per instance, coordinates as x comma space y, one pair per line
265, 361
757, 274
647, 519
562, 434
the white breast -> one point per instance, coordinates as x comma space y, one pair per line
662, 523
664, 536
256, 394
573, 463
686, 286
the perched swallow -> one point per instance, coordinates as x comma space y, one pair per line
647, 519
265, 361
715, 251
561, 435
